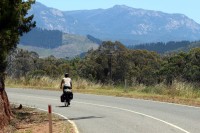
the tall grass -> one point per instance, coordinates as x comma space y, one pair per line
179, 89
176, 90
187, 90
49, 83
40, 82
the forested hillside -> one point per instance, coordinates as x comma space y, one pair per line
42, 38
172, 46
58, 44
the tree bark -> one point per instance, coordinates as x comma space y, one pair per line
5, 110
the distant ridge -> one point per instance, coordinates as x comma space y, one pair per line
122, 23
54, 42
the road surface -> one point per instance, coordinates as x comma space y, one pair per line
107, 114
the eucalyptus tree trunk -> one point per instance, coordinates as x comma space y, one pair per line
5, 110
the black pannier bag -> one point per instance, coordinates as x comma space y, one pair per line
66, 95
62, 98
70, 95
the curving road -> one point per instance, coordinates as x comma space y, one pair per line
107, 114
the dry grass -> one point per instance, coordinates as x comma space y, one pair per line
178, 92
30, 120
42, 82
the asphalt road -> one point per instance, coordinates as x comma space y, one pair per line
107, 114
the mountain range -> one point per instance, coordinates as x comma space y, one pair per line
122, 23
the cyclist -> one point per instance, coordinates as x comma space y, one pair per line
66, 85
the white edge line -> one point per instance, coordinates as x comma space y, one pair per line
73, 124
170, 124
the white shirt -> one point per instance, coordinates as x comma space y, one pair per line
67, 82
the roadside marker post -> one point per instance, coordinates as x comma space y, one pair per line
50, 118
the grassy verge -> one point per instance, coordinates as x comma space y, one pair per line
179, 92
30, 120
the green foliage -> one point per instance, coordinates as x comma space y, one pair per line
161, 47
28, 64
173, 67
192, 68
112, 63
139, 66
13, 23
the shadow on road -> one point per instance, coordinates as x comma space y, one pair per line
86, 117
62, 106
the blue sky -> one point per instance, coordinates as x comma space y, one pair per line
190, 8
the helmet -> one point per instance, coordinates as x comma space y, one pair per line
66, 74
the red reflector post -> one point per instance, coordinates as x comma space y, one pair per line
50, 119
49, 108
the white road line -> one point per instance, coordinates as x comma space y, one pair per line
73, 124
170, 124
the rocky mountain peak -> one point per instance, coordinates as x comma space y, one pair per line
120, 22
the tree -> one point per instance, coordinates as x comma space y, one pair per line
192, 68
173, 67
145, 65
13, 23
104, 64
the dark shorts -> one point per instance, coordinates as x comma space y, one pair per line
67, 87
